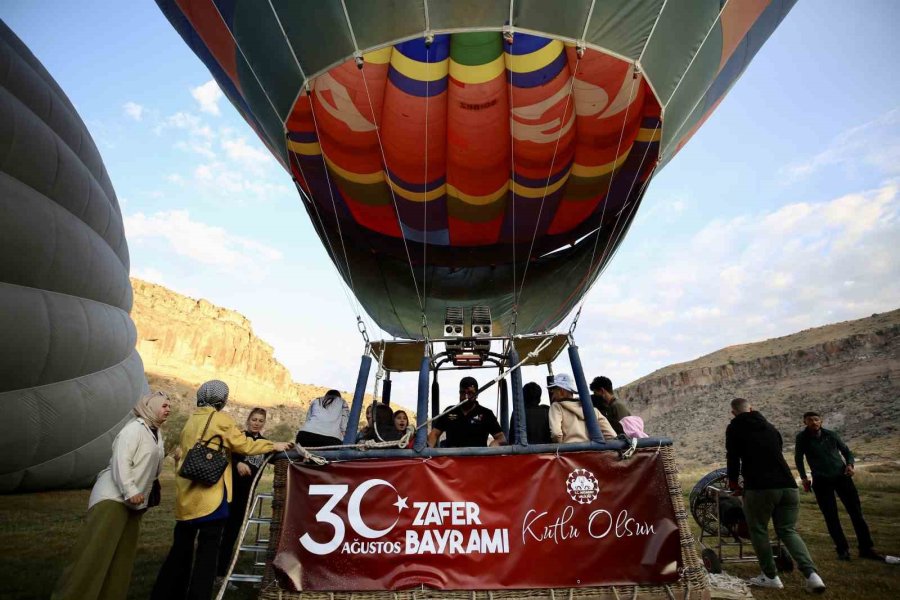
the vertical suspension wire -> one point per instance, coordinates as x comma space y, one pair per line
628, 195
537, 223
312, 107
587, 21
287, 42
620, 233
663, 107
281, 119
350, 27
605, 265
579, 54
425, 197
612, 175
684, 74
512, 176
361, 64
391, 187
616, 232
355, 305
351, 297
615, 167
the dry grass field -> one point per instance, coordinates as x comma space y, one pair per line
38, 530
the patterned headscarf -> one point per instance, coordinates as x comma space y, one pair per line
147, 407
213, 393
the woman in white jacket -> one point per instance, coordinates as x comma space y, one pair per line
103, 556
326, 421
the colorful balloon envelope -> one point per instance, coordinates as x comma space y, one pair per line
473, 152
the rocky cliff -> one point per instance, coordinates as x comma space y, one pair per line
849, 372
195, 340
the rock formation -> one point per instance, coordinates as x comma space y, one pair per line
195, 340
849, 372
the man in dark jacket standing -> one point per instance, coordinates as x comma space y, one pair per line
609, 406
754, 447
831, 463
537, 420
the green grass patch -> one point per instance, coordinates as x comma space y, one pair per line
879, 489
37, 532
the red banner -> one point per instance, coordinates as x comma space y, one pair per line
486, 522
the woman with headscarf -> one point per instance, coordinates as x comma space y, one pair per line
201, 511
326, 421
103, 556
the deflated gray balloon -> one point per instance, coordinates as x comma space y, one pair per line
69, 373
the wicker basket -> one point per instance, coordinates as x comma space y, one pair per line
692, 583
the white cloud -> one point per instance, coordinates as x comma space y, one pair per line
206, 244
134, 110
208, 96
201, 147
754, 277
875, 144
239, 150
231, 179
149, 274
180, 120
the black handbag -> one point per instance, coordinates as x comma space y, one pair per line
202, 463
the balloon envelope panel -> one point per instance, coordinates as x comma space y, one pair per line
69, 372
445, 163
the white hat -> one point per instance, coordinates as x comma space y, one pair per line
564, 381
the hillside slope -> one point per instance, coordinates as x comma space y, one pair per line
849, 372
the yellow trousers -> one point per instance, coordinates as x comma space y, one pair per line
103, 556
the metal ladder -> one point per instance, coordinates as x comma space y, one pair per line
260, 514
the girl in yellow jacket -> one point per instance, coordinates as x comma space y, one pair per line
201, 511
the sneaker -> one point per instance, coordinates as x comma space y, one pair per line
763, 580
872, 554
814, 584
844, 555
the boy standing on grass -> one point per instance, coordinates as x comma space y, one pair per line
831, 463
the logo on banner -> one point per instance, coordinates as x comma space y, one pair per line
582, 486
451, 527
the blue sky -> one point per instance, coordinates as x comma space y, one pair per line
782, 213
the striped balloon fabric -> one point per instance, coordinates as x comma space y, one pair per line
484, 142
473, 152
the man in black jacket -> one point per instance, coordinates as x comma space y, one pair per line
753, 448
537, 419
604, 400
831, 463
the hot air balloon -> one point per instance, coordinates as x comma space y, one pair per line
471, 167
473, 153
69, 371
